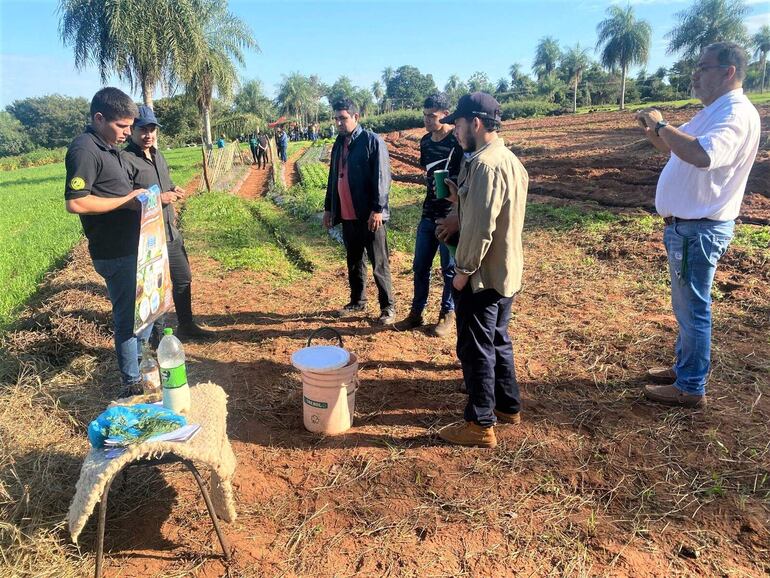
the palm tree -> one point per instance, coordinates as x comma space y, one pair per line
295, 95
225, 36
378, 91
122, 37
252, 100
387, 75
705, 22
574, 62
626, 41
547, 56
761, 43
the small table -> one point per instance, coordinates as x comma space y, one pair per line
210, 446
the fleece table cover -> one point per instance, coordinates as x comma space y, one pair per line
210, 446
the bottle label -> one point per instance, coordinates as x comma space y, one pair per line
174, 377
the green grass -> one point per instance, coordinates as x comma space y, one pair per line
755, 237
184, 164
755, 97
759, 97
544, 216
294, 146
37, 233
224, 227
405, 213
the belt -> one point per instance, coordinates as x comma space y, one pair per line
673, 220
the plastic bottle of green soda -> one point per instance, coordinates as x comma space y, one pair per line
173, 373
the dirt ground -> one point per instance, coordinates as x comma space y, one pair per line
594, 482
600, 157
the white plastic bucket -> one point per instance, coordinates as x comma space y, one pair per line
328, 395
329, 399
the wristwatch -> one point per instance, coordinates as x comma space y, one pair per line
659, 125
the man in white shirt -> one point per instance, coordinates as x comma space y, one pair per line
699, 196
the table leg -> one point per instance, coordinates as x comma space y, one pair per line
209, 506
100, 529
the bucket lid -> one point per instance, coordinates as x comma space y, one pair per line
320, 358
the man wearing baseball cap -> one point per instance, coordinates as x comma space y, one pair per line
491, 195
147, 167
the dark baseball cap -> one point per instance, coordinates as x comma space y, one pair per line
478, 104
146, 116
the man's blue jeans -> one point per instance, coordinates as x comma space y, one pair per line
425, 247
694, 248
120, 276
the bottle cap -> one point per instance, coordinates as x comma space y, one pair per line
168, 331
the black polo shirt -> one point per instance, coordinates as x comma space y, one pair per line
144, 173
95, 168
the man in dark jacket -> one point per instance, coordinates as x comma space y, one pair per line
146, 167
357, 196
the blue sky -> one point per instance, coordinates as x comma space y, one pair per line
357, 39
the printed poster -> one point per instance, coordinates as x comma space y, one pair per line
153, 277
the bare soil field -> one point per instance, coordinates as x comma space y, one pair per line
600, 157
594, 482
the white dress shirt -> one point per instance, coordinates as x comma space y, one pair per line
728, 130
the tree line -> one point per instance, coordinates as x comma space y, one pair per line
193, 49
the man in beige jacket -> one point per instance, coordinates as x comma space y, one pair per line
492, 195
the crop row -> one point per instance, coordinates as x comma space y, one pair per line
314, 175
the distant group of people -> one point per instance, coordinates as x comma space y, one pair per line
476, 229
259, 147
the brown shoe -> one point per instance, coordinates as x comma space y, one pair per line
446, 321
508, 418
467, 433
671, 395
664, 375
411, 321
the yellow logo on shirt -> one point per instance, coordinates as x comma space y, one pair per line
77, 184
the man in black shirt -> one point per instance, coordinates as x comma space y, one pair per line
99, 191
146, 167
438, 151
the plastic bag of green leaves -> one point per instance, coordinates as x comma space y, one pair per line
132, 424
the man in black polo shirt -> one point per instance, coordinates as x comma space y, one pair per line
146, 167
438, 151
99, 191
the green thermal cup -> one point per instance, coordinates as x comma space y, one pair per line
442, 192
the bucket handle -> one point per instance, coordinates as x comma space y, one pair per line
325, 329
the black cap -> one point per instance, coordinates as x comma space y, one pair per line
146, 116
478, 104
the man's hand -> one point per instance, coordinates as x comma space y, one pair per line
375, 221
169, 197
648, 118
452, 186
447, 227
460, 281
180, 191
134, 204
327, 220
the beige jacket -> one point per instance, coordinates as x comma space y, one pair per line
492, 200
